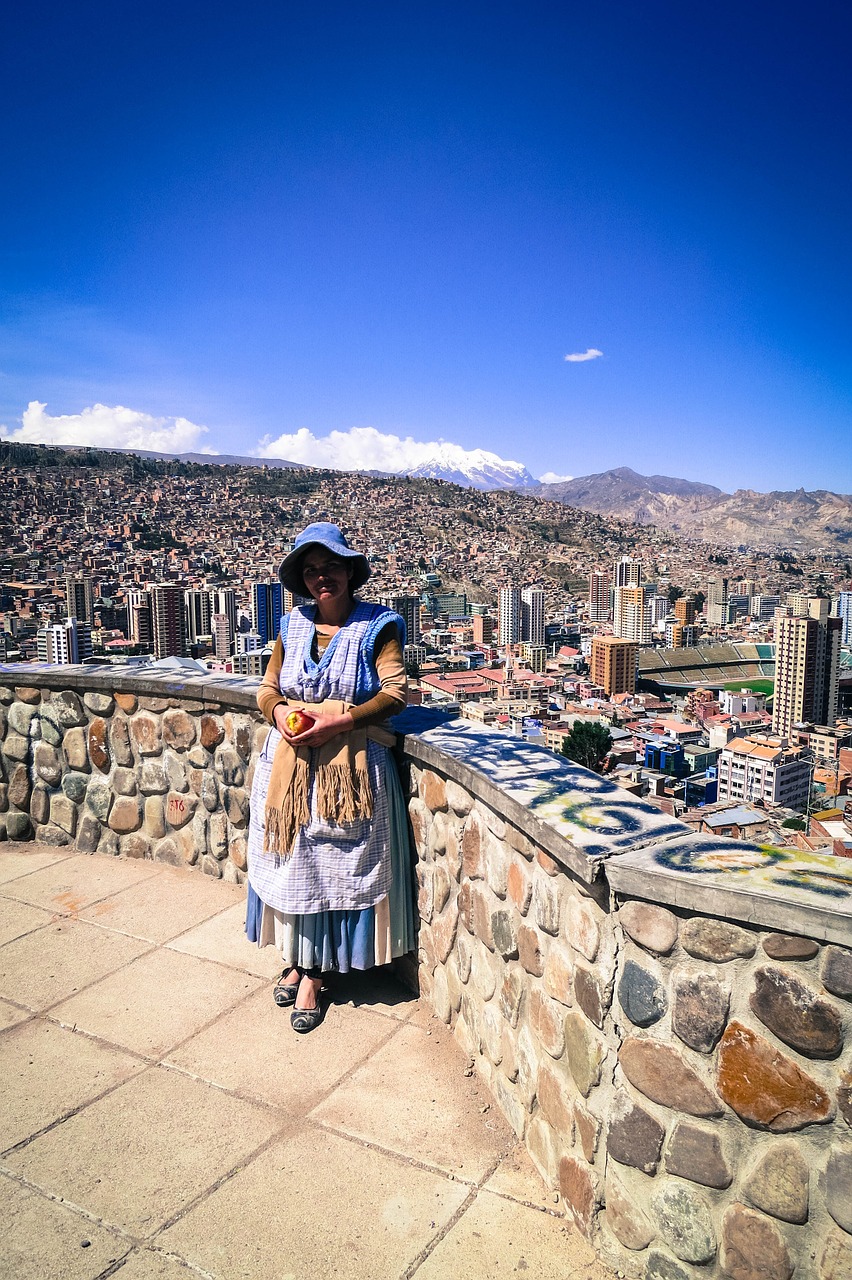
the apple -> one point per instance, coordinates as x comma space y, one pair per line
298, 722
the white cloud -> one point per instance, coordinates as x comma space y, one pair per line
107, 427
359, 449
578, 357
550, 477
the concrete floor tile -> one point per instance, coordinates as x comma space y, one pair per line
18, 859
361, 1214
43, 1239
47, 1071
76, 882
412, 1097
164, 905
10, 1016
376, 989
517, 1177
18, 918
254, 1051
148, 1264
142, 1154
155, 1002
496, 1239
223, 939
52, 964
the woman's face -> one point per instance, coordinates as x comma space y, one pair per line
326, 576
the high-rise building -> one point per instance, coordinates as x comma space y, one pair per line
599, 596
267, 608
799, 603
140, 627
197, 604
631, 619
509, 615
224, 600
408, 608
613, 664
680, 635
79, 597
627, 573
716, 602
807, 665
168, 621
763, 606
222, 638
684, 610
843, 610
658, 606
532, 615
483, 628
65, 642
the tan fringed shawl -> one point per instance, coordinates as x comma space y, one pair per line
341, 783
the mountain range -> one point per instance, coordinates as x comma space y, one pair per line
795, 519
789, 519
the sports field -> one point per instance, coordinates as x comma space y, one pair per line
756, 686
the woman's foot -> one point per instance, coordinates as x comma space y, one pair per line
307, 1013
286, 989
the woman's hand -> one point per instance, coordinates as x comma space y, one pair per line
324, 728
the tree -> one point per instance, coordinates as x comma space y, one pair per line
588, 744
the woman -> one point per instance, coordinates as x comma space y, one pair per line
329, 868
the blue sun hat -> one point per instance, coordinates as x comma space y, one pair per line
321, 534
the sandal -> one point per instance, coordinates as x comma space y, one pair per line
304, 1020
284, 993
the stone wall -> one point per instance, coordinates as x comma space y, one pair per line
664, 1018
681, 1074
141, 770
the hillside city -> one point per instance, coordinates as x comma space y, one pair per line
714, 680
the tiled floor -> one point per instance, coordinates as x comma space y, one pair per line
161, 1120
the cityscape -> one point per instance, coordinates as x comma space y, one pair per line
546, 307
719, 678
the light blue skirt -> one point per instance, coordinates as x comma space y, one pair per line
358, 939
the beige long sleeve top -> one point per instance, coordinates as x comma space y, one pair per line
391, 698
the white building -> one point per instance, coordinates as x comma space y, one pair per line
763, 606
631, 618
658, 608
626, 573
197, 606
532, 615
763, 768
65, 642
843, 609
414, 653
716, 602
509, 615
599, 596
741, 702
247, 642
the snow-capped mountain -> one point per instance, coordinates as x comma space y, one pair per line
473, 468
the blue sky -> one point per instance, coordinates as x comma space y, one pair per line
250, 226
